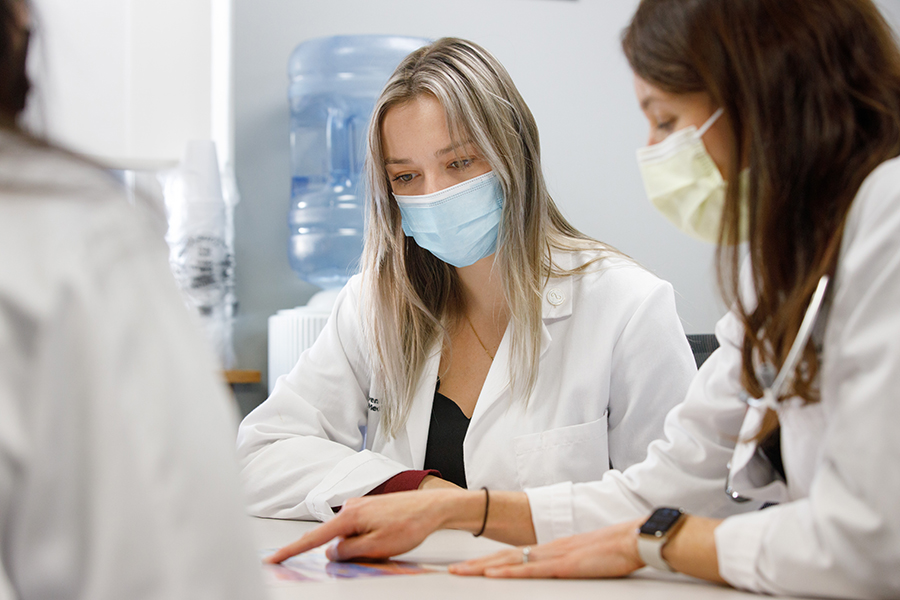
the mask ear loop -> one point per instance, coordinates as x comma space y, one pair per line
710, 122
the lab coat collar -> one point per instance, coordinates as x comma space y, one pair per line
556, 301
494, 387
556, 304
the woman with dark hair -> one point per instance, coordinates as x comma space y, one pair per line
13, 50
117, 477
775, 122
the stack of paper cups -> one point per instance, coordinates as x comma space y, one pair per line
200, 255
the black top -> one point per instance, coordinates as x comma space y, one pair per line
444, 451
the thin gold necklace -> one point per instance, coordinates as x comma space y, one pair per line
477, 337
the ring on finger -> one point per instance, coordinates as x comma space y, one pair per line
526, 554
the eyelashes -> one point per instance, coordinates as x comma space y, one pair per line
458, 165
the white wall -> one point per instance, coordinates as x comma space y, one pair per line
131, 81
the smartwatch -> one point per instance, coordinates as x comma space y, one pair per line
655, 532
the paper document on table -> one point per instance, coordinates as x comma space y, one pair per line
315, 566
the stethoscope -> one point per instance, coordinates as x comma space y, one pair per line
774, 388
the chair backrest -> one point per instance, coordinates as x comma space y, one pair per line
702, 344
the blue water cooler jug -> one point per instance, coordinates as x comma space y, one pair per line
334, 83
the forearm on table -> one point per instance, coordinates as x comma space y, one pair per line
692, 550
508, 519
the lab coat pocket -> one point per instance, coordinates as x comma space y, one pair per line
574, 453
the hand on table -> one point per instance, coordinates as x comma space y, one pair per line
608, 552
377, 526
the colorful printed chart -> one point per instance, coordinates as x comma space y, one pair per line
315, 566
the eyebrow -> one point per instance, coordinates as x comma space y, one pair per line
452, 147
439, 153
646, 102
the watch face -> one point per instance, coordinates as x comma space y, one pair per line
661, 521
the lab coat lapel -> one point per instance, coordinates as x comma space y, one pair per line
496, 383
749, 472
420, 413
556, 304
556, 301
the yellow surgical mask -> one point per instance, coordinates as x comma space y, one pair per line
684, 184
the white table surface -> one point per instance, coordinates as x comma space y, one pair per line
445, 547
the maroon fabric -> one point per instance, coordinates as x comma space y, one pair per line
402, 482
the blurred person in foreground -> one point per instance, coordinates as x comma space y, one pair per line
117, 476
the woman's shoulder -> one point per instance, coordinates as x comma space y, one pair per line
874, 216
604, 267
65, 222
348, 303
607, 283
62, 195
879, 193
353, 290
44, 172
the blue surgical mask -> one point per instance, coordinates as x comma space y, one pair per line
458, 224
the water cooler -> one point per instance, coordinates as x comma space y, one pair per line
334, 83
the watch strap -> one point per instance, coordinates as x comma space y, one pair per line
650, 551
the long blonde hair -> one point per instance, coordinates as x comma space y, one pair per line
410, 295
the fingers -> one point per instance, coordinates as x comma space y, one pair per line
363, 546
383, 541
478, 566
336, 527
542, 569
608, 552
292, 549
371, 527
510, 564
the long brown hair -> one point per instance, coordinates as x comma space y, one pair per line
14, 84
812, 95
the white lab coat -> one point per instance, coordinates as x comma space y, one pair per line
613, 360
117, 473
837, 530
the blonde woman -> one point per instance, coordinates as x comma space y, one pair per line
487, 342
